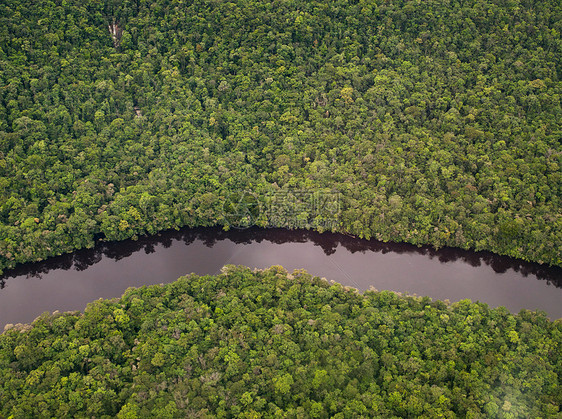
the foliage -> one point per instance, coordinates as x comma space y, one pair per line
438, 121
268, 343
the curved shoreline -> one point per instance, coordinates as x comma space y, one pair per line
72, 281
82, 258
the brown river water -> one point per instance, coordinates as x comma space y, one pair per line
70, 281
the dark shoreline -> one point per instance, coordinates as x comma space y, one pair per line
83, 258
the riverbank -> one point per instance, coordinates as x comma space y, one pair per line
71, 281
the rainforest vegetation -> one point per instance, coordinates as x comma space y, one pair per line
438, 122
268, 343
432, 122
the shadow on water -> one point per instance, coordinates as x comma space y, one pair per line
328, 242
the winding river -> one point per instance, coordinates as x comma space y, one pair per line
69, 282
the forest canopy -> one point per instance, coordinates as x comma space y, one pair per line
438, 122
269, 343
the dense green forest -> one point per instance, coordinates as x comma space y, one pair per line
268, 343
438, 121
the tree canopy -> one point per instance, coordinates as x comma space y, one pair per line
269, 343
439, 122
